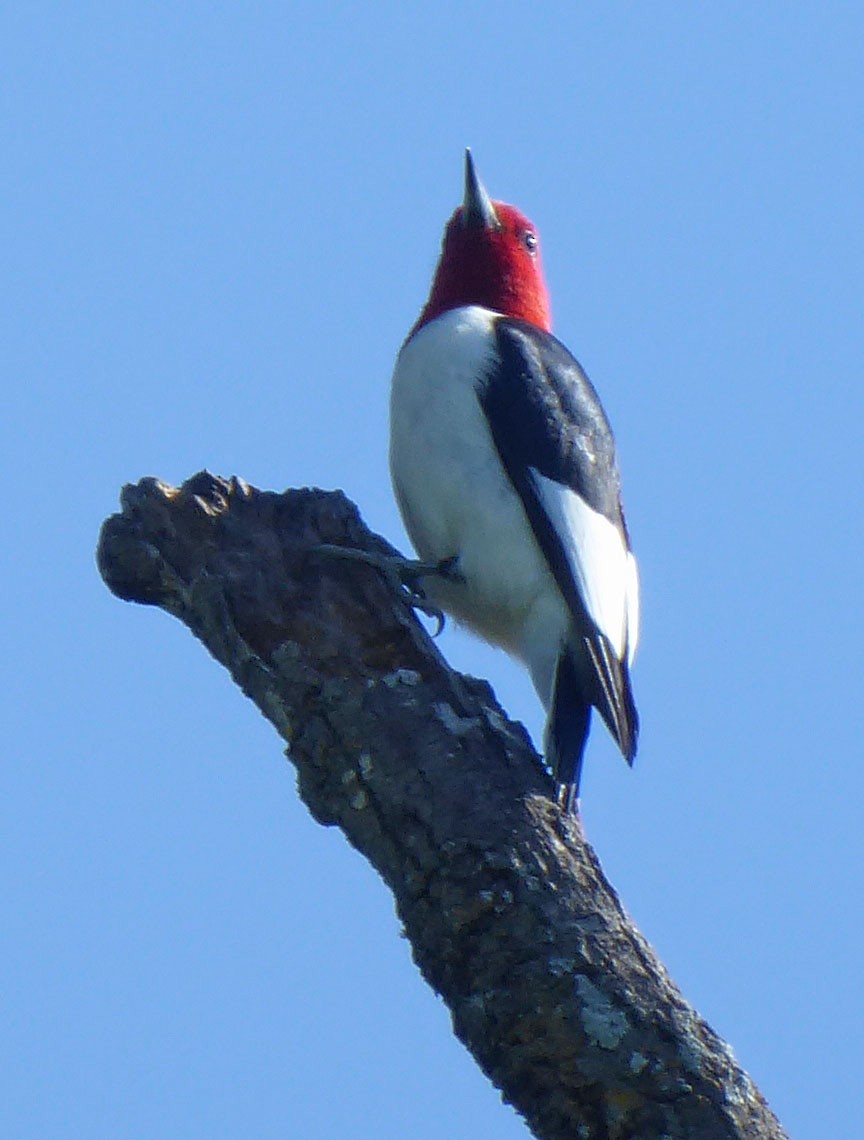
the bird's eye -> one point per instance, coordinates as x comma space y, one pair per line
529, 240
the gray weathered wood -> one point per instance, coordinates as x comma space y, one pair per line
557, 995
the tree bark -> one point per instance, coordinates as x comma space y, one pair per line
555, 992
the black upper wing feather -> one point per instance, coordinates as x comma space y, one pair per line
543, 410
544, 414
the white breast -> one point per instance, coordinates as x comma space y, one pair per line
453, 492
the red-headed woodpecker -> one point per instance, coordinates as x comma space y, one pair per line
504, 468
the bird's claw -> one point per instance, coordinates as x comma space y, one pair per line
401, 574
417, 601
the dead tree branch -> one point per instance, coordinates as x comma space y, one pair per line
551, 987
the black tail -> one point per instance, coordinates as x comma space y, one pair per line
567, 732
607, 688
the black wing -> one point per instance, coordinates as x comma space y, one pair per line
545, 419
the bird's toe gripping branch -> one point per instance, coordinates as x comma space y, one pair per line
403, 575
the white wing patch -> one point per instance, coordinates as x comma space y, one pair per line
632, 607
603, 568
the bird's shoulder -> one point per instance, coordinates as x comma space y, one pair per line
544, 414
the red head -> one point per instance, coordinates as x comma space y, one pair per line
491, 257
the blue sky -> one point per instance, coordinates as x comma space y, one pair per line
217, 227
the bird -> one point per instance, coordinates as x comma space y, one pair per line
504, 468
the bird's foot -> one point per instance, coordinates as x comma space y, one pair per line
567, 797
403, 575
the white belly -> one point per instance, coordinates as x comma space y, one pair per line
456, 499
